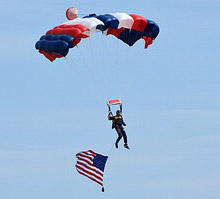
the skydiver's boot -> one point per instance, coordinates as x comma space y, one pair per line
116, 145
126, 146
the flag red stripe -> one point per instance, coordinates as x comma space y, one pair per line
90, 173
82, 155
82, 159
98, 172
90, 177
89, 152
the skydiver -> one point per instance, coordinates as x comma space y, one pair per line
117, 124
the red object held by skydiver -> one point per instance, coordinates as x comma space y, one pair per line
114, 102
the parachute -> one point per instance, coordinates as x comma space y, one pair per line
128, 28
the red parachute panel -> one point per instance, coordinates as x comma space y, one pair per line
140, 23
76, 31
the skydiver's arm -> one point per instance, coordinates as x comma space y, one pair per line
109, 113
109, 108
110, 117
121, 108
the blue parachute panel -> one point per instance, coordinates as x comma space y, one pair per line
152, 29
53, 46
109, 21
64, 37
130, 36
58, 44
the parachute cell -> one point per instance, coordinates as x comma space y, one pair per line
90, 23
108, 20
124, 19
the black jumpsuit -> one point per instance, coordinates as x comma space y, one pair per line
118, 123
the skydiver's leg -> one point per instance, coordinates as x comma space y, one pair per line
118, 130
124, 137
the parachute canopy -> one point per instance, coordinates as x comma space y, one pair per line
128, 28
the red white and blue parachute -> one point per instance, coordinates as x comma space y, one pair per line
127, 27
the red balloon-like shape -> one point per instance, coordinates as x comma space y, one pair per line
71, 13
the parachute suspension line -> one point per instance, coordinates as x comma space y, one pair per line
91, 47
117, 56
88, 82
92, 88
93, 52
126, 54
72, 69
113, 46
109, 153
108, 44
71, 63
102, 48
80, 52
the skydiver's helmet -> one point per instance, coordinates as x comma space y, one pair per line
118, 112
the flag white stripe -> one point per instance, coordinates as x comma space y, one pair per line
94, 179
86, 155
90, 175
95, 170
85, 159
89, 172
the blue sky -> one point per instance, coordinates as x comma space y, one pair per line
170, 94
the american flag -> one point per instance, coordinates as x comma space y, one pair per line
91, 165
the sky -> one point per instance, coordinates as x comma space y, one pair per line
170, 94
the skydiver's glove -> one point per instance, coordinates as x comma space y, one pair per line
124, 124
